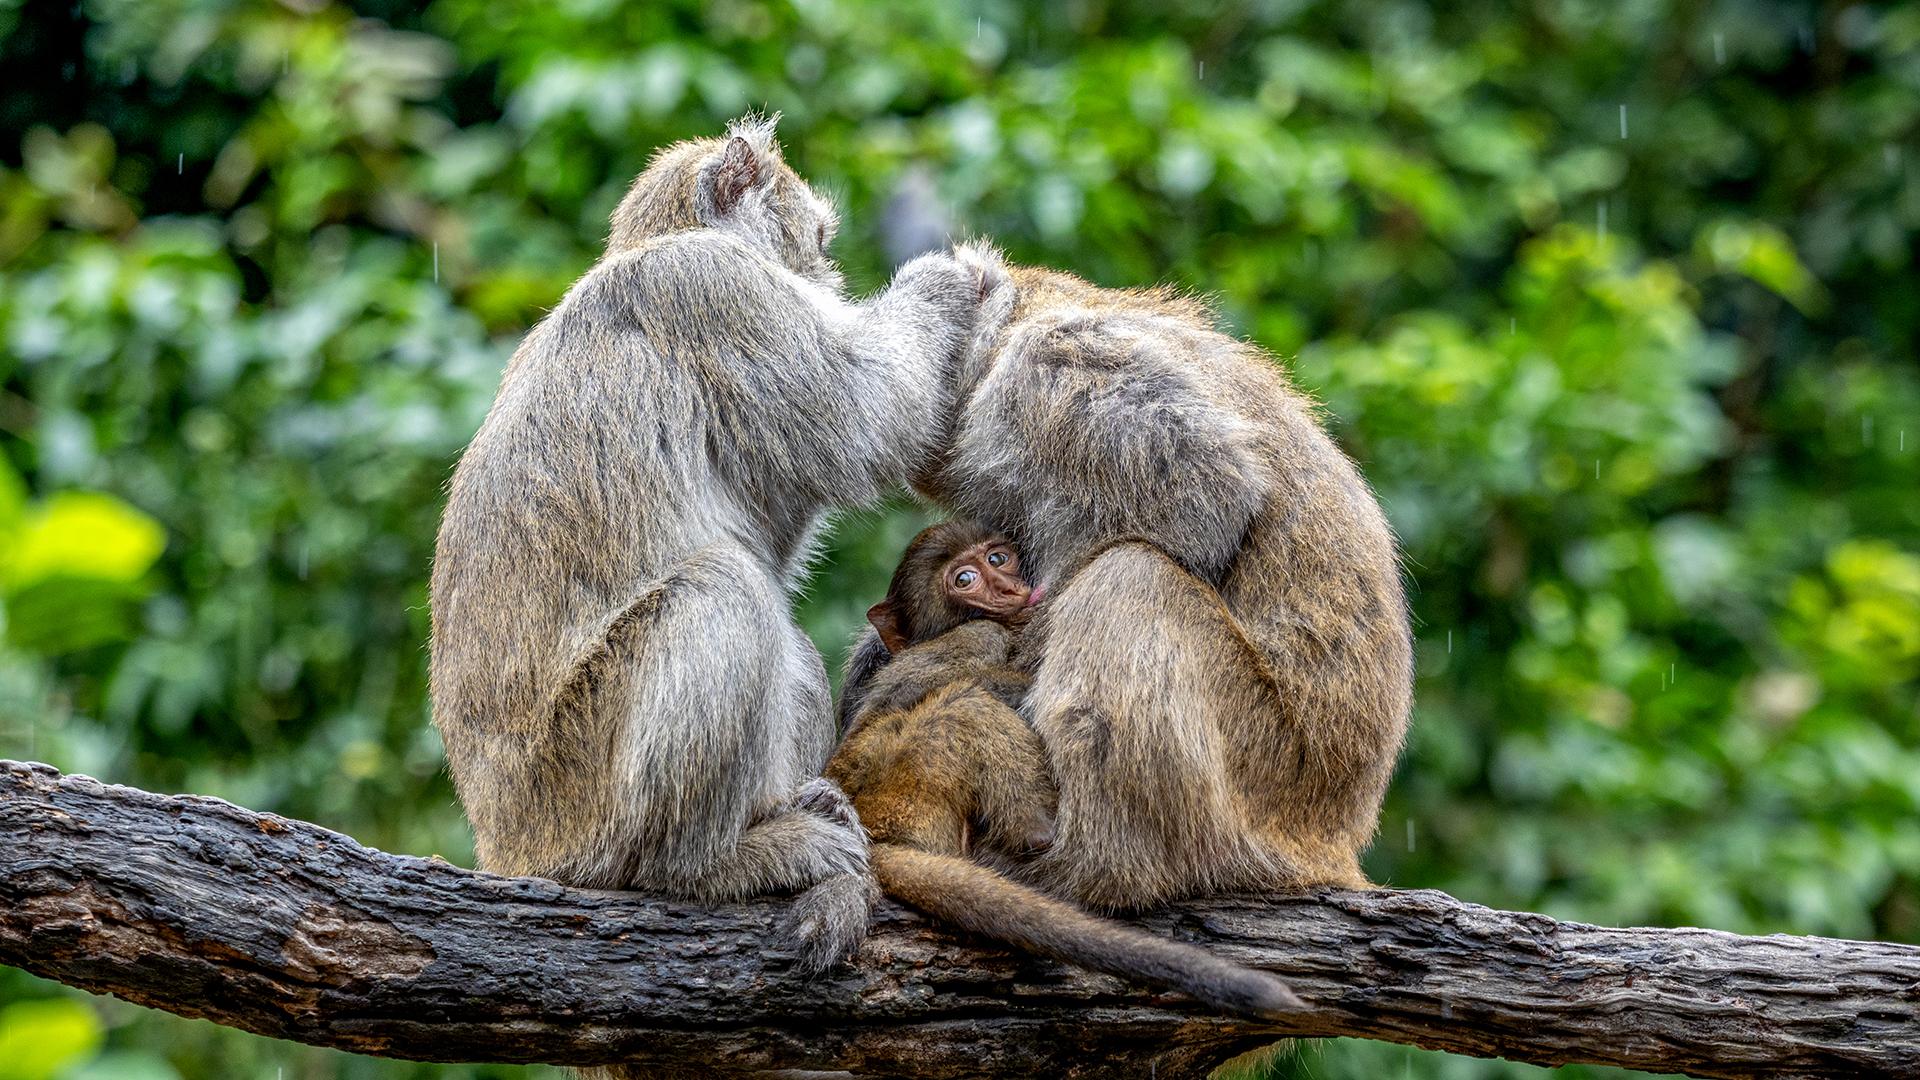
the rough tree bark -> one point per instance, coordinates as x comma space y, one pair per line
204, 909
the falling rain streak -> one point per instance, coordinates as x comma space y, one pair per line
1720, 49
1623, 121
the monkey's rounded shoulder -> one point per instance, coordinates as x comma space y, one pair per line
668, 267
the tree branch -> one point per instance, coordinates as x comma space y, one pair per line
204, 909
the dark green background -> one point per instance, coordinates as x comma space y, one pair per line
1614, 302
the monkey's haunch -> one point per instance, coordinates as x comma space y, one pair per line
980, 900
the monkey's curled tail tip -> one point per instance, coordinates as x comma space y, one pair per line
828, 921
1270, 998
1248, 992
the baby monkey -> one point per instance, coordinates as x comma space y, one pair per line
947, 768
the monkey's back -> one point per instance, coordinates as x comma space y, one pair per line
586, 480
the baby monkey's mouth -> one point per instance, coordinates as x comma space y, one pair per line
1039, 592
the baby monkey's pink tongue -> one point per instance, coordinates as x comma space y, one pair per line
1039, 593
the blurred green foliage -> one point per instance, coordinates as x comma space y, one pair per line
1616, 304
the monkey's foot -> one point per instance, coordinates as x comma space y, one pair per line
829, 921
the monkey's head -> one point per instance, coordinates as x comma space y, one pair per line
738, 184
952, 572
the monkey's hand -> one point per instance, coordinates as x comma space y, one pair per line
996, 292
988, 266
942, 295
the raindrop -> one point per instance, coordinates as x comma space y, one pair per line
1449, 643
180, 166
978, 25
1203, 71
1600, 218
1903, 440
1623, 121
1409, 834
436, 263
1720, 49
300, 566
1596, 468
1513, 324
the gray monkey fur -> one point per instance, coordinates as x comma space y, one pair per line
625, 700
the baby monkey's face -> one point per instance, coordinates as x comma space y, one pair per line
986, 577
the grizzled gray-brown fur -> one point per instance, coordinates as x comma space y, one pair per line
625, 699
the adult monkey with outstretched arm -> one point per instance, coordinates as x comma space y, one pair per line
935, 746
1222, 671
625, 699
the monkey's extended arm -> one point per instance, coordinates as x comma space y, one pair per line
807, 398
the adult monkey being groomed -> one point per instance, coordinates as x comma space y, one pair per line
625, 700
1222, 670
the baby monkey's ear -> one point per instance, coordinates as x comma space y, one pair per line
885, 618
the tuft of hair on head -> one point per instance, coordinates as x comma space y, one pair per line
758, 129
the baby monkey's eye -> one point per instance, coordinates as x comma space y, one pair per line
997, 559
965, 579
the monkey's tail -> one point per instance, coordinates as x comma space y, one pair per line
975, 898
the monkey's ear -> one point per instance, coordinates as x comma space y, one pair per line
744, 163
886, 619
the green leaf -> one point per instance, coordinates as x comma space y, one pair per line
83, 535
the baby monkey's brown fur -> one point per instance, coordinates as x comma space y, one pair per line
935, 748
